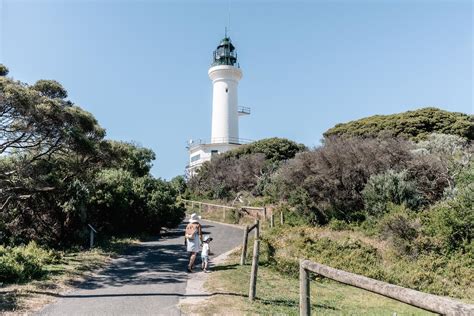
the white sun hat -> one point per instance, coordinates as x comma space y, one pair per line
194, 218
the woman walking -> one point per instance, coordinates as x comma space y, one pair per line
193, 239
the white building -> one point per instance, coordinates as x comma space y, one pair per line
225, 74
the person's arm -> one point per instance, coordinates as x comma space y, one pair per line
200, 233
185, 241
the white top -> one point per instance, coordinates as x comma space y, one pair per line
205, 249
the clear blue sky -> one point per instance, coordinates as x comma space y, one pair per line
141, 66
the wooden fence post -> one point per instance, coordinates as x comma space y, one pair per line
244, 246
223, 213
264, 213
91, 236
200, 208
92, 239
253, 273
305, 307
257, 229
282, 219
272, 220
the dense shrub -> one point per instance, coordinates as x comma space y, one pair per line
246, 168
274, 149
401, 228
389, 187
330, 179
416, 125
452, 221
124, 204
24, 263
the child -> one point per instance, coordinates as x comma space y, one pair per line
205, 253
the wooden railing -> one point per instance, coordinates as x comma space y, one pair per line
429, 302
262, 211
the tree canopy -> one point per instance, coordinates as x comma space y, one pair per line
58, 173
415, 125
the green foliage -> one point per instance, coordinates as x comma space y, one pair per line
24, 263
58, 174
415, 125
401, 228
452, 221
125, 204
179, 184
128, 156
439, 274
389, 187
50, 88
336, 224
328, 181
246, 168
3, 70
275, 149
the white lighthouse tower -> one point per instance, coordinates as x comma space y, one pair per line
225, 74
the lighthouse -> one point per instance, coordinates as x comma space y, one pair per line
225, 74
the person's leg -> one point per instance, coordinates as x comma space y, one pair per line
205, 263
191, 260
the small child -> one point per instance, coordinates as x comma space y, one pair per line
205, 253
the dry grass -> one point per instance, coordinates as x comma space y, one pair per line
278, 294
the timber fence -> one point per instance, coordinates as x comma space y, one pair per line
257, 212
250, 211
429, 302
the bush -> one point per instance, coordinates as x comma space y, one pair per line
24, 263
401, 229
416, 125
246, 168
389, 187
337, 225
125, 204
452, 221
328, 181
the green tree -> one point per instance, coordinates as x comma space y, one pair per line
415, 125
3, 70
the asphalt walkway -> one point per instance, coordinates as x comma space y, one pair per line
148, 279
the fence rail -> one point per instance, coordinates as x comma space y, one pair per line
254, 208
429, 302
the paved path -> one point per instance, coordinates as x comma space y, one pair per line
148, 279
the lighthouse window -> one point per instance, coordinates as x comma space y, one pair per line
226, 90
195, 158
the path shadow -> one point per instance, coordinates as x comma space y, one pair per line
225, 267
156, 261
291, 303
72, 295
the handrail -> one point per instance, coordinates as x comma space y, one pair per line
429, 302
227, 207
243, 110
218, 140
92, 228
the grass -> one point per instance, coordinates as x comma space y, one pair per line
72, 268
353, 252
278, 294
